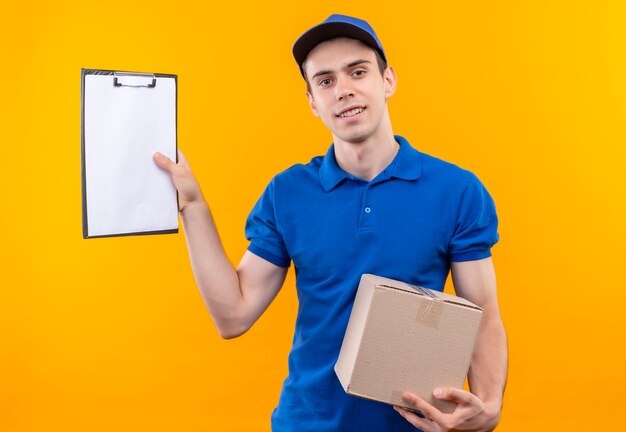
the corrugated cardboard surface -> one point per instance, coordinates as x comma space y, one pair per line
404, 338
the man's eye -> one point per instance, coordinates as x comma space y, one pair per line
324, 82
359, 73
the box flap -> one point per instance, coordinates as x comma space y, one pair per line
416, 289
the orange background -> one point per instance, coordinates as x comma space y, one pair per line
111, 334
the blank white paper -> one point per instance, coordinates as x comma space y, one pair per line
123, 126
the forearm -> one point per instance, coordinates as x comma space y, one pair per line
488, 371
215, 276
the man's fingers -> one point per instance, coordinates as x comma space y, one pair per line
420, 423
427, 409
454, 394
163, 161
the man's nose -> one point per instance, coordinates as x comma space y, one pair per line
344, 90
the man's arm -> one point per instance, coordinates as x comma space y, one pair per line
480, 409
476, 281
235, 298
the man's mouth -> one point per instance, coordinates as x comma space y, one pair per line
352, 112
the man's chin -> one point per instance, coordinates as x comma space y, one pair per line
354, 137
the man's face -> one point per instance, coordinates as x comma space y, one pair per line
347, 91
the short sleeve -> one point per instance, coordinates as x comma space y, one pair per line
266, 241
476, 229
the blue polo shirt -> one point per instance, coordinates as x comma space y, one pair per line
408, 223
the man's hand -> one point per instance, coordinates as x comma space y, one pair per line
471, 414
188, 188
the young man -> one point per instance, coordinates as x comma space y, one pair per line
372, 204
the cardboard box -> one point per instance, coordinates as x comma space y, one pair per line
401, 338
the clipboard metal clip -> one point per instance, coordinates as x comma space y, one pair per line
132, 79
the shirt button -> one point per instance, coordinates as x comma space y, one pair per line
368, 210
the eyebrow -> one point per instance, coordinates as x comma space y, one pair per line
348, 66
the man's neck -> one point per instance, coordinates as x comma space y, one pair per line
368, 158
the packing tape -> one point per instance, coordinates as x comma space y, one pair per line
424, 292
429, 312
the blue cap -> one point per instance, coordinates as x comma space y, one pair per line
333, 27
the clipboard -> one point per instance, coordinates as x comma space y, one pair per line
125, 118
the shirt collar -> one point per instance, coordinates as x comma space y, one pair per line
406, 165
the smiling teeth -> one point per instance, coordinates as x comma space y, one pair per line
352, 112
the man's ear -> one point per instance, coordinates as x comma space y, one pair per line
312, 104
390, 81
